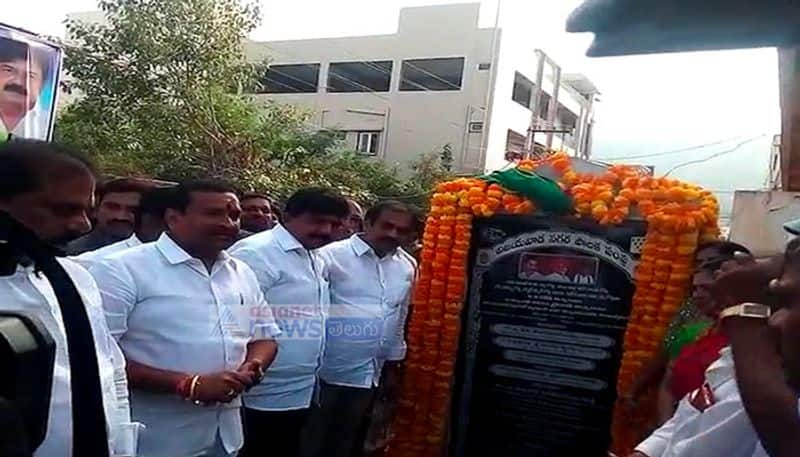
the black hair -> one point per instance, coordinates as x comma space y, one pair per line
726, 251
252, 195
276, 211
375, 211
317, 200
792, 254
725, 248
155, 201
13, 50
124, 185
25, 165
181, 195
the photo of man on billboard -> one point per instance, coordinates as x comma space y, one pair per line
29, 69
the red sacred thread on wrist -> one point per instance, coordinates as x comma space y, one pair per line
182, 387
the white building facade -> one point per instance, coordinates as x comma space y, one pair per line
441, 80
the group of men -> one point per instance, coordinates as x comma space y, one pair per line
204, 340
213, 338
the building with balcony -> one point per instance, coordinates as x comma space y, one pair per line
439, 80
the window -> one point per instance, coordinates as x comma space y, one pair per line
291, 79
515, 141
566, 119
368, 142
432, 74
523, 90
360, 76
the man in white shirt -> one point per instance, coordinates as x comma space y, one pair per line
49, 190
115, 214
709, 422
257, 213
370, 279
352, 223
530, 269
559, 274
181, 310
290, 272
24, 71
583, 279
148, 226
766, 352
713, 421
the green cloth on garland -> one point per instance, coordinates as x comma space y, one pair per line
544, 192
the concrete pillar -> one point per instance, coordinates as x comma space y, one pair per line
789, 62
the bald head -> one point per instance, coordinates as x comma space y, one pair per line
47, 188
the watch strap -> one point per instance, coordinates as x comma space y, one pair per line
751, 310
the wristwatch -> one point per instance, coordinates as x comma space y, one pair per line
752, 310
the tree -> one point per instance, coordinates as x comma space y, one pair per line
160, 95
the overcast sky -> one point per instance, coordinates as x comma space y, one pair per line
650, 104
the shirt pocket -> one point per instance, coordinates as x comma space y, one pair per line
400, 291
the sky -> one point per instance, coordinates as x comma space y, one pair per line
649, 104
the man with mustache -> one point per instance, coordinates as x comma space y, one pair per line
290, 272
183, 312
23, 72
118, 203
48, 190
257, 214
370, 279
149, 226
352, 223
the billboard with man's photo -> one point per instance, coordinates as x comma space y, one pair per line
29, 73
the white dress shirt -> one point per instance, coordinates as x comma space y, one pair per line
34, 125
88, 259
31, 293
583, 279
291, 278
722, 429
369, 305
167, 311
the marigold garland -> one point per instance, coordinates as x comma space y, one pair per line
679, 216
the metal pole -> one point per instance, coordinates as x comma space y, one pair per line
489, 101
536, 95
552, 110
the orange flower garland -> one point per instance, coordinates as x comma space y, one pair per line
438, 298
679, 216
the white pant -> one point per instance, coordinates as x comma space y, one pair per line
217, 450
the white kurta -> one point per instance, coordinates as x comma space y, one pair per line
28, 292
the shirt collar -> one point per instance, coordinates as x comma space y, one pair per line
33, 115
175, 254
360, 247
133, 241
721, 369
285, 239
